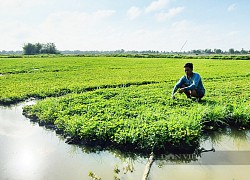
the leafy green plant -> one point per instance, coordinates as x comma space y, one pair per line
125, 102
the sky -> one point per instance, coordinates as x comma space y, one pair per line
163, 25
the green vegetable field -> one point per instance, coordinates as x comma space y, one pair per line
126, 103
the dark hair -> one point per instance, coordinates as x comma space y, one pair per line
190, 65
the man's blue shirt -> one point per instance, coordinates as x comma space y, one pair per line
194, 82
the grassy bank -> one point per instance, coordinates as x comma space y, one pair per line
129, 105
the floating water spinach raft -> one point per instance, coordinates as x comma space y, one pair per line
139, 117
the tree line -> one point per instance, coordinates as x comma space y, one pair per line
38, 48
219, 51
50, 48
122, 51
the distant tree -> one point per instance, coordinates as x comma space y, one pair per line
236, 52
31, 49
231, 51
217, 51
243, 51
38, 47
196, 51
208, 51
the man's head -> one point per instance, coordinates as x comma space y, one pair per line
188, 68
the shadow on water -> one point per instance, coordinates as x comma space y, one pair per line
227, 147
215, 137
213, 149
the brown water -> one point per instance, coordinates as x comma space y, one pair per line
28, 151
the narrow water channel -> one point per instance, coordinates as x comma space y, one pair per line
28, 151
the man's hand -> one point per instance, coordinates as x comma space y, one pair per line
181, 90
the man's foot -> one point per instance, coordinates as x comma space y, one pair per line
196, 99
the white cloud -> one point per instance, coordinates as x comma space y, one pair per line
14, 34
102, 14
134, 12
13, 3
74, 27
233, 33
80, 24
156, 5
231, 8
67, 29
162, 16
19, 4
182, 26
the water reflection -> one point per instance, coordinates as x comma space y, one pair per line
29, 151
227, 139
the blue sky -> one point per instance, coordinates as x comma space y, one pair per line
162, 25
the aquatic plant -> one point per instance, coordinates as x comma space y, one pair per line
125, 102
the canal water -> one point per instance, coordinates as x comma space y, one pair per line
28, 151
